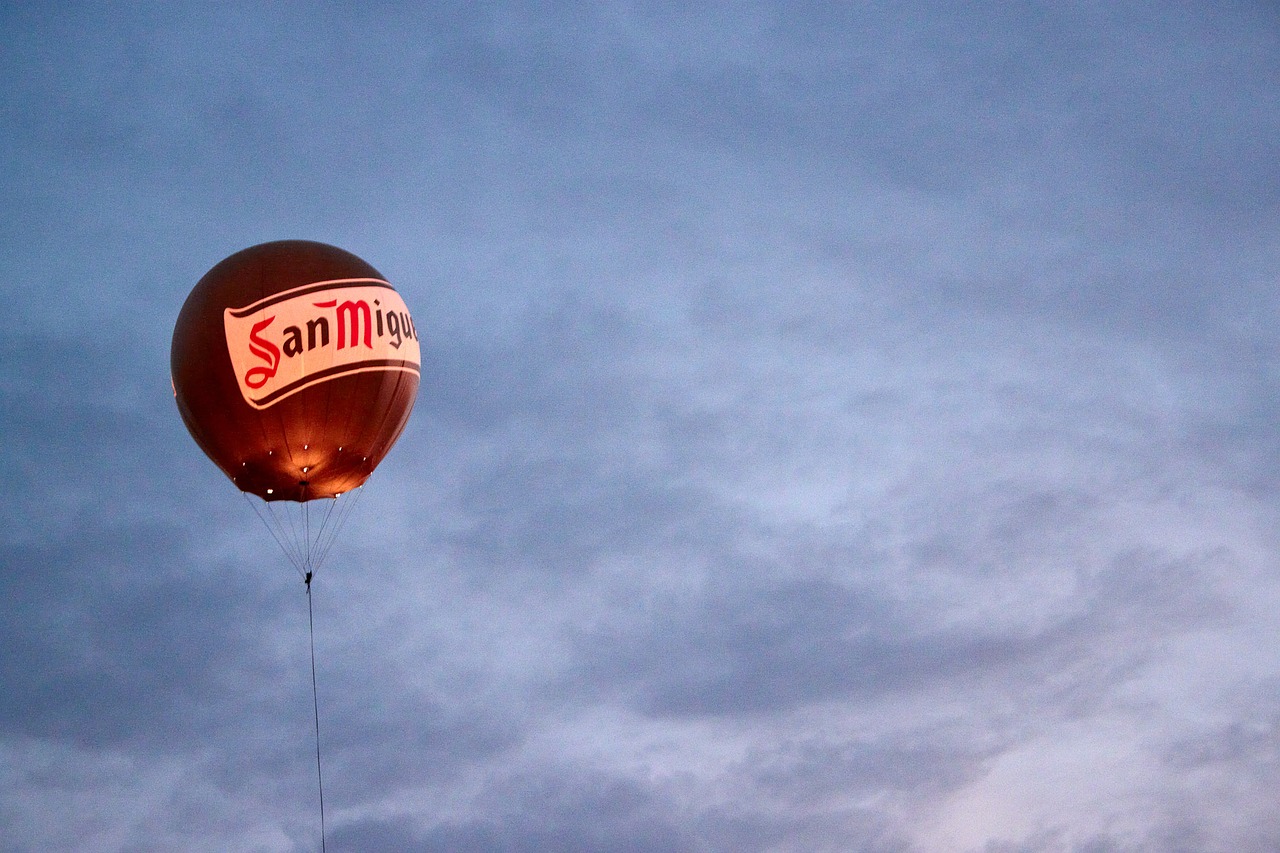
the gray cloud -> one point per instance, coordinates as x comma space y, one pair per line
740, 649
840, 429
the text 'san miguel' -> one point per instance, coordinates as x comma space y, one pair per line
356, 324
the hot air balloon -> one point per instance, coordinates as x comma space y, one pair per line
295, 366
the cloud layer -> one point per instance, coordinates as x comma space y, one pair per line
840, 430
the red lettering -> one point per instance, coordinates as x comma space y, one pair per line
355, 316
264, 349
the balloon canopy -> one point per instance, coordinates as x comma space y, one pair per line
295, 366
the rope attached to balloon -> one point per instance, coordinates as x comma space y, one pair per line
295, 365
315, 704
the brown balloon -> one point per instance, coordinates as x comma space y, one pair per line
295, 367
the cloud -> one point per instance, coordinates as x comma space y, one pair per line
561, 809
840, 428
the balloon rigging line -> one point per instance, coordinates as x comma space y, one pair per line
304, 550
343, 513
288, 528
272, 527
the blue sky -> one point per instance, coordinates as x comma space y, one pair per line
843, 427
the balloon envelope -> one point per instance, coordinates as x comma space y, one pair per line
295, 366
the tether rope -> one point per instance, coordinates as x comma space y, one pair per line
306, 551
315, 704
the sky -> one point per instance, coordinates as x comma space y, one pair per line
843, 427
